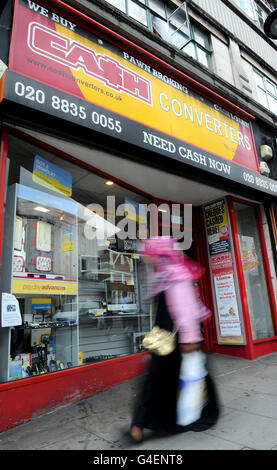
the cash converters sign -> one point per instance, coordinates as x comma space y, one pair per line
60, 69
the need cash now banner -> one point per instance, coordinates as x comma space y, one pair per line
76, 75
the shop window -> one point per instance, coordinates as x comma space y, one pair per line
78, 284
267, 92
172, 25
253, 270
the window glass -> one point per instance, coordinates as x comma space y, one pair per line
270, 87
172, 25
265, 90
272, 103
253, 270
261, 15
200, 37
161, 28
259, 79
262, 97
178, 38
190, 49
137, 12
77, 279
202, 57
178, 20
158, 7
247, 7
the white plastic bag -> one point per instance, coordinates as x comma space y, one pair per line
192, 395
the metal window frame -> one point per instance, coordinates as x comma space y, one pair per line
207, 50
144, 7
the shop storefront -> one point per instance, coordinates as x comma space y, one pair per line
93, 136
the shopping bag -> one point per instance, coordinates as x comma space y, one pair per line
192, 393
159, 341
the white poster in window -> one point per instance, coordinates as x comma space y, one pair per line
18, 233
227, 306
43, 236
10, 311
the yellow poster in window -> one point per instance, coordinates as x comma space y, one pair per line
44, 287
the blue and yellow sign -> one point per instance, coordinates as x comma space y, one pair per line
51, 176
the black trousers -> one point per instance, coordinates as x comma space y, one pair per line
156, 406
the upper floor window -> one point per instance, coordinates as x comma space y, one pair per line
199, 46
261, 15
267, 92
256, 10
173, 26
247, 6
140, 10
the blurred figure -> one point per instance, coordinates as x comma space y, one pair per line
178, 306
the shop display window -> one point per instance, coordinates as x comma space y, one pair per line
78, 284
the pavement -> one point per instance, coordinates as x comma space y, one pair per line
248, 420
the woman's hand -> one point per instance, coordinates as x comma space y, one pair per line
189, 347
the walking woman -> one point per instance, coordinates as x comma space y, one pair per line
178, 307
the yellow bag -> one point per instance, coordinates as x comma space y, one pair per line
159, 341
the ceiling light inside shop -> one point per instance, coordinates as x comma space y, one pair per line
109, 183
41, 209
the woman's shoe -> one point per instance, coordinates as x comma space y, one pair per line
136, 434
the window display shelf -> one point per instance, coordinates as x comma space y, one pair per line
48, 325
116, 316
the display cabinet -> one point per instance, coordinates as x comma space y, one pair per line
113, 313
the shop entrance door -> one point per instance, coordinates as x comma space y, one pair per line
255, 279
196, 251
